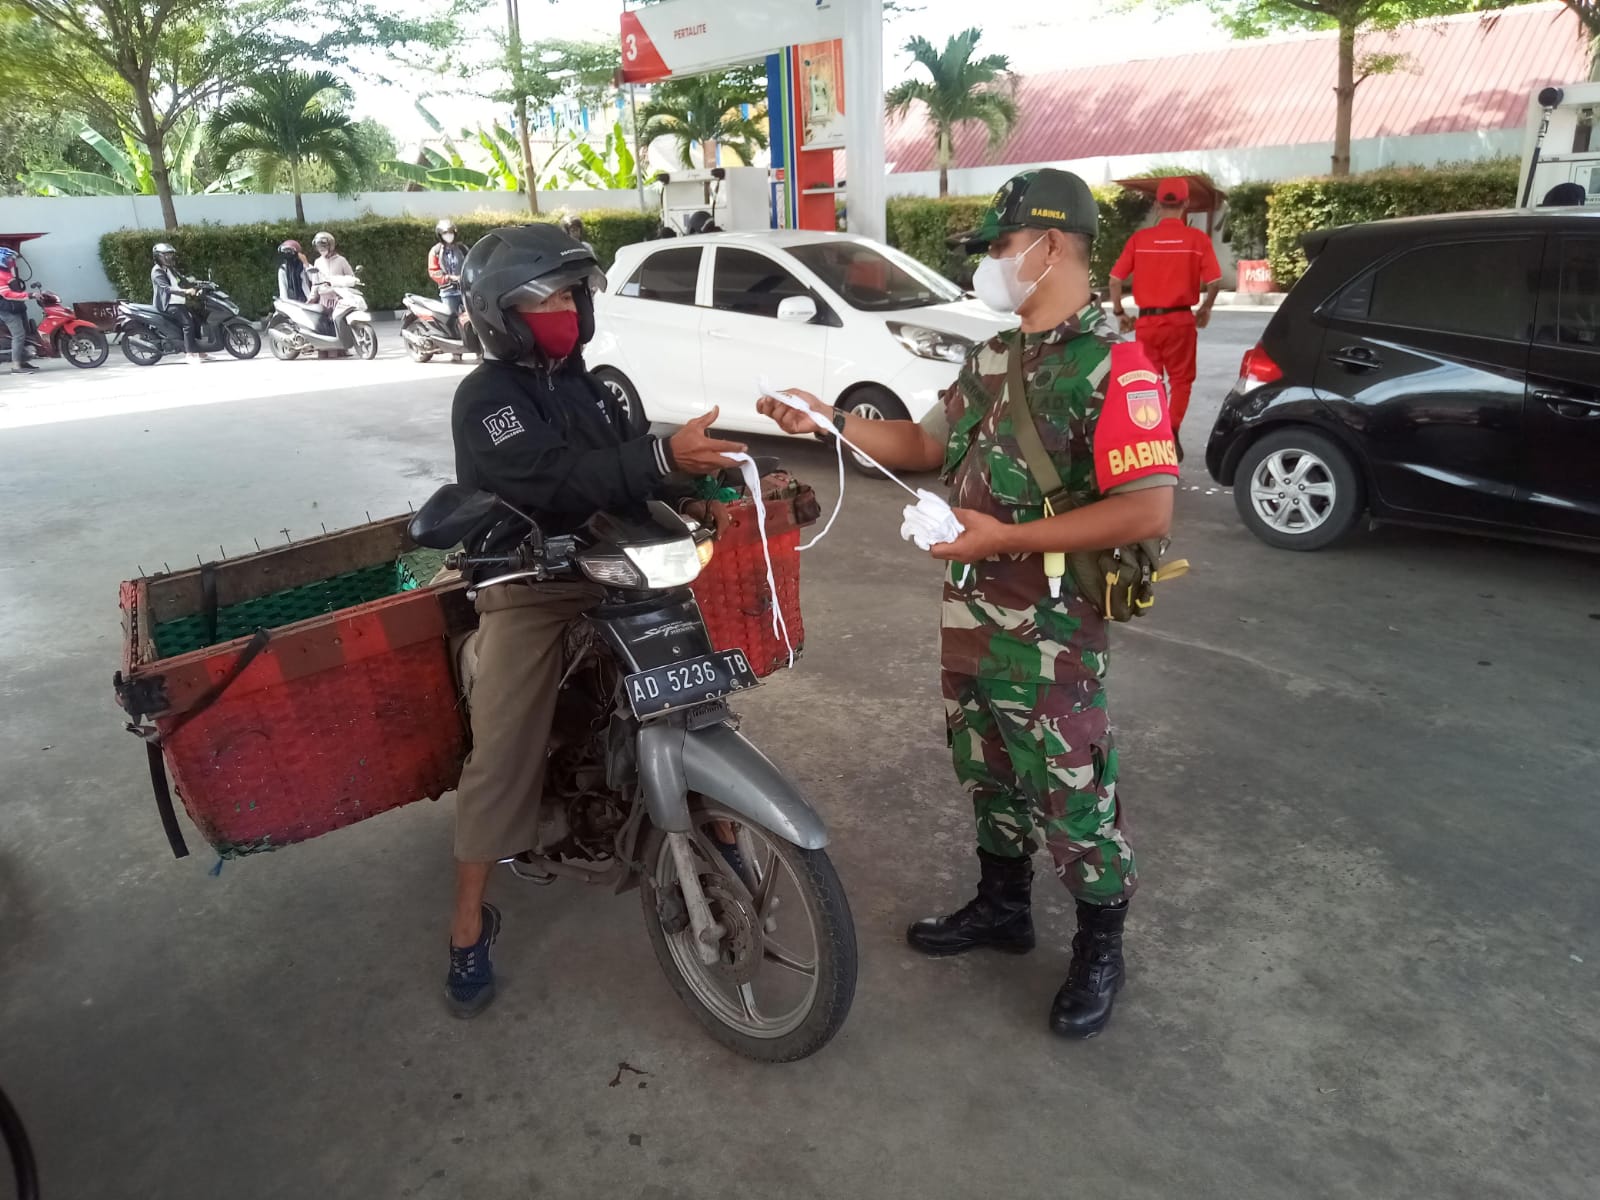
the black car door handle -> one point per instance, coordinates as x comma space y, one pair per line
1564, 405
1357, 358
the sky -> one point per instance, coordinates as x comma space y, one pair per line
1037, 35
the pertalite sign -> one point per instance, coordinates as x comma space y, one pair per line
684, 37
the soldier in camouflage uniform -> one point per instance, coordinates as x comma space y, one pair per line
1024, 668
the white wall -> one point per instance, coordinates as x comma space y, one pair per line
1235, 164
67, 260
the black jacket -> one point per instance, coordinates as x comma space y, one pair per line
553, 443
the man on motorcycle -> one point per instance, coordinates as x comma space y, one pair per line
172, 292
14, 310
330, 265
445, 261
535, 428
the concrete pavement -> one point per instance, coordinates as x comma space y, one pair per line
1363, 958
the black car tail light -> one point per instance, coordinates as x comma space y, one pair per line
1257, 368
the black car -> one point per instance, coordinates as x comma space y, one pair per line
1434, 371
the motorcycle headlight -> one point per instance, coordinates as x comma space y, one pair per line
669, 565
931, 343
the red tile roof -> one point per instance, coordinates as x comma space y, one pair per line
1462, 73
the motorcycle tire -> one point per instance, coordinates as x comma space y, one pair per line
86, 348
366, 340
278, 334
140, 348
241, 340
807, 877
408, 333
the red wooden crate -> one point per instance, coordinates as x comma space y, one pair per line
337, 718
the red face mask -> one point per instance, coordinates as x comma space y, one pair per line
556, 333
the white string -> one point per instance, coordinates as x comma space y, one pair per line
752, 481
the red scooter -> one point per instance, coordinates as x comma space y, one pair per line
61, 334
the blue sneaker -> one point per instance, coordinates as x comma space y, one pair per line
469, 987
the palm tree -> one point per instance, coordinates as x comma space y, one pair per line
290, 118
962, 89
707, 109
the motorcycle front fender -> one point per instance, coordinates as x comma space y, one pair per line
359, 314
723, 765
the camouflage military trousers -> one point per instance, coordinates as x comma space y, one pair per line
1040, 766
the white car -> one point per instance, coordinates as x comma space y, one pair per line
688, 324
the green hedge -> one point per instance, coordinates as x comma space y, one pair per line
922, 227
393, 251
1300, 206
1245, 219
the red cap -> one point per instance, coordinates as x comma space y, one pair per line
1173, 190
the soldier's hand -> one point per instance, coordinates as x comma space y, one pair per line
1125, 323
984, 538
1202, 318
792, 420
696, 452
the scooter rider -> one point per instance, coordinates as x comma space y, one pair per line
294, 273
331, 267
172, 293
445, 261
14, 310
534, 427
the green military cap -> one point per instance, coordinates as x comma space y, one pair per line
1042, 199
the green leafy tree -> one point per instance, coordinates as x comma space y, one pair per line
127, 169
959, 89
141, 66
1351, 18
707, 109
377, 145
288, 119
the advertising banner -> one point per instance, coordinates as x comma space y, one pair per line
822, 94
683, 37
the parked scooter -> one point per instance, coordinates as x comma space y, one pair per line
296, 329
429, 328
148, 334
649, 782
61, 334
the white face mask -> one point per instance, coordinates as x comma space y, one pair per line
998, 284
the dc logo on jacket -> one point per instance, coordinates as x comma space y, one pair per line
502, 425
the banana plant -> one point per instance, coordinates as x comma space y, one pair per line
442, 168
128, 170
613, 167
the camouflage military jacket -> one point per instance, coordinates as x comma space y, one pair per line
1102, 415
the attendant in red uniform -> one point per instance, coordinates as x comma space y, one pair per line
1171, 263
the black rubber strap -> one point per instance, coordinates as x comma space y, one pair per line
169, 815
257, 643
208, 593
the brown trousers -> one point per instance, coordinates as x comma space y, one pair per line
520, 629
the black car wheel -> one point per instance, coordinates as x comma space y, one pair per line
872, 404
626, 395
1297, 490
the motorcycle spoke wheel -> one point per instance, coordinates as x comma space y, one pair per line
140, 349
785, 968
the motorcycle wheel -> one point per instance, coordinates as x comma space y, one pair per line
86, 348
786, 969
140, 348
279, 340
366, 340
241, 340
409, 335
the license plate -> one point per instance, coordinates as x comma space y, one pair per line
692, 681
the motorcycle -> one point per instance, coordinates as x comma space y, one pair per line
296, 328
429, 328
61, 334
650, 784
148, 334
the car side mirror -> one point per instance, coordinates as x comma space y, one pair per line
799, 309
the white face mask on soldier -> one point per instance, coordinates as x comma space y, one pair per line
998, 284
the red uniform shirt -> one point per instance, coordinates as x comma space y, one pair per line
1170, 262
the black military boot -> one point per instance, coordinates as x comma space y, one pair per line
1083, 1005
999, 916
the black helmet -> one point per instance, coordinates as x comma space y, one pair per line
445, 225
525, 262
164, 253
698, 222
324, 237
